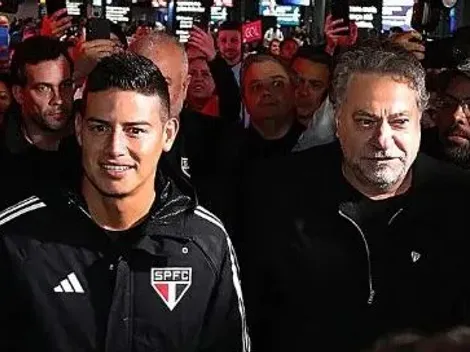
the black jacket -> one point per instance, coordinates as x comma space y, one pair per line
26, 167
315, 277
169, 284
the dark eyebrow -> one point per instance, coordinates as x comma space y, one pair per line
399, 114
42, 84
126, 124
278, 76
97, 120
137, 123
364, 113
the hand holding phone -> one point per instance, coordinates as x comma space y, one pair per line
340, 11
57, 24
54, 6
203, 41
98, 28
87, 54
335, 34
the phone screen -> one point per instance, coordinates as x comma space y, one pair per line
55, 5
186, 14
340, 10
4, 42
98, 28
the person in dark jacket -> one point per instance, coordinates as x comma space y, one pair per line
126, 260
192, 154
346, 242
450, 139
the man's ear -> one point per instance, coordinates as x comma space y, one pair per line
170, 130
79, 126
185, 86
18, 94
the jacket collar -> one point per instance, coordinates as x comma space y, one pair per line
15, 140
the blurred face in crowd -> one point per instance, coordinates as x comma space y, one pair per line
5, 98
202, 85
47, 97
311, 87
122, 135
453, 121
288, 50
267, 91
229, 43
168, 58
275, 48
378, 125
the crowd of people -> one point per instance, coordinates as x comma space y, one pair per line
167, 197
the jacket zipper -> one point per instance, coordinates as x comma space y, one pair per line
370, 300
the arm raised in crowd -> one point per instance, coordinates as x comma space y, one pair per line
225, 83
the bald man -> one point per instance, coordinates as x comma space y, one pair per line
194, 150
170, 57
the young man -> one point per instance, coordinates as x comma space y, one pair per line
125, 260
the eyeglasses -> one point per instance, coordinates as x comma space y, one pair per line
448, 101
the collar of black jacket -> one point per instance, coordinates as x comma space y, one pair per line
429, 175
14, 139
175, 195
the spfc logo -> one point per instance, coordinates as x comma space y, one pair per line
171, 284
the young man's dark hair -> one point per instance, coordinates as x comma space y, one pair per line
230, 26
314, 54
129, 72
33, 51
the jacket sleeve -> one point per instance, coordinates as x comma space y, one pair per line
8, 304
227, 89
225, 327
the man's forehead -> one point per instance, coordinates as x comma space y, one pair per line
42, 70
460, 85
304, 65
266, 69
228, 33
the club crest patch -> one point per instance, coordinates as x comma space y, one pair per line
185, 168
171, 284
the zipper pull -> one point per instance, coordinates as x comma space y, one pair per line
371, 297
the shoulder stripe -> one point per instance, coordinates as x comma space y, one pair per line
22, 211
18, 205
210, 219
205, 214
208, 213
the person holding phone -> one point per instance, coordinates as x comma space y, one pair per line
56, 24
337, 35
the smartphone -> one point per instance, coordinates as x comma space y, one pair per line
4, 42
202, 20
55, 5
340, 10
98, 28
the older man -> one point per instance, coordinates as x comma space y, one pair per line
348, 241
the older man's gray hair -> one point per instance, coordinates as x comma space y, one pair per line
382, 58
155, 43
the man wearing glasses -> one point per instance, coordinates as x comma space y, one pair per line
452, 120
